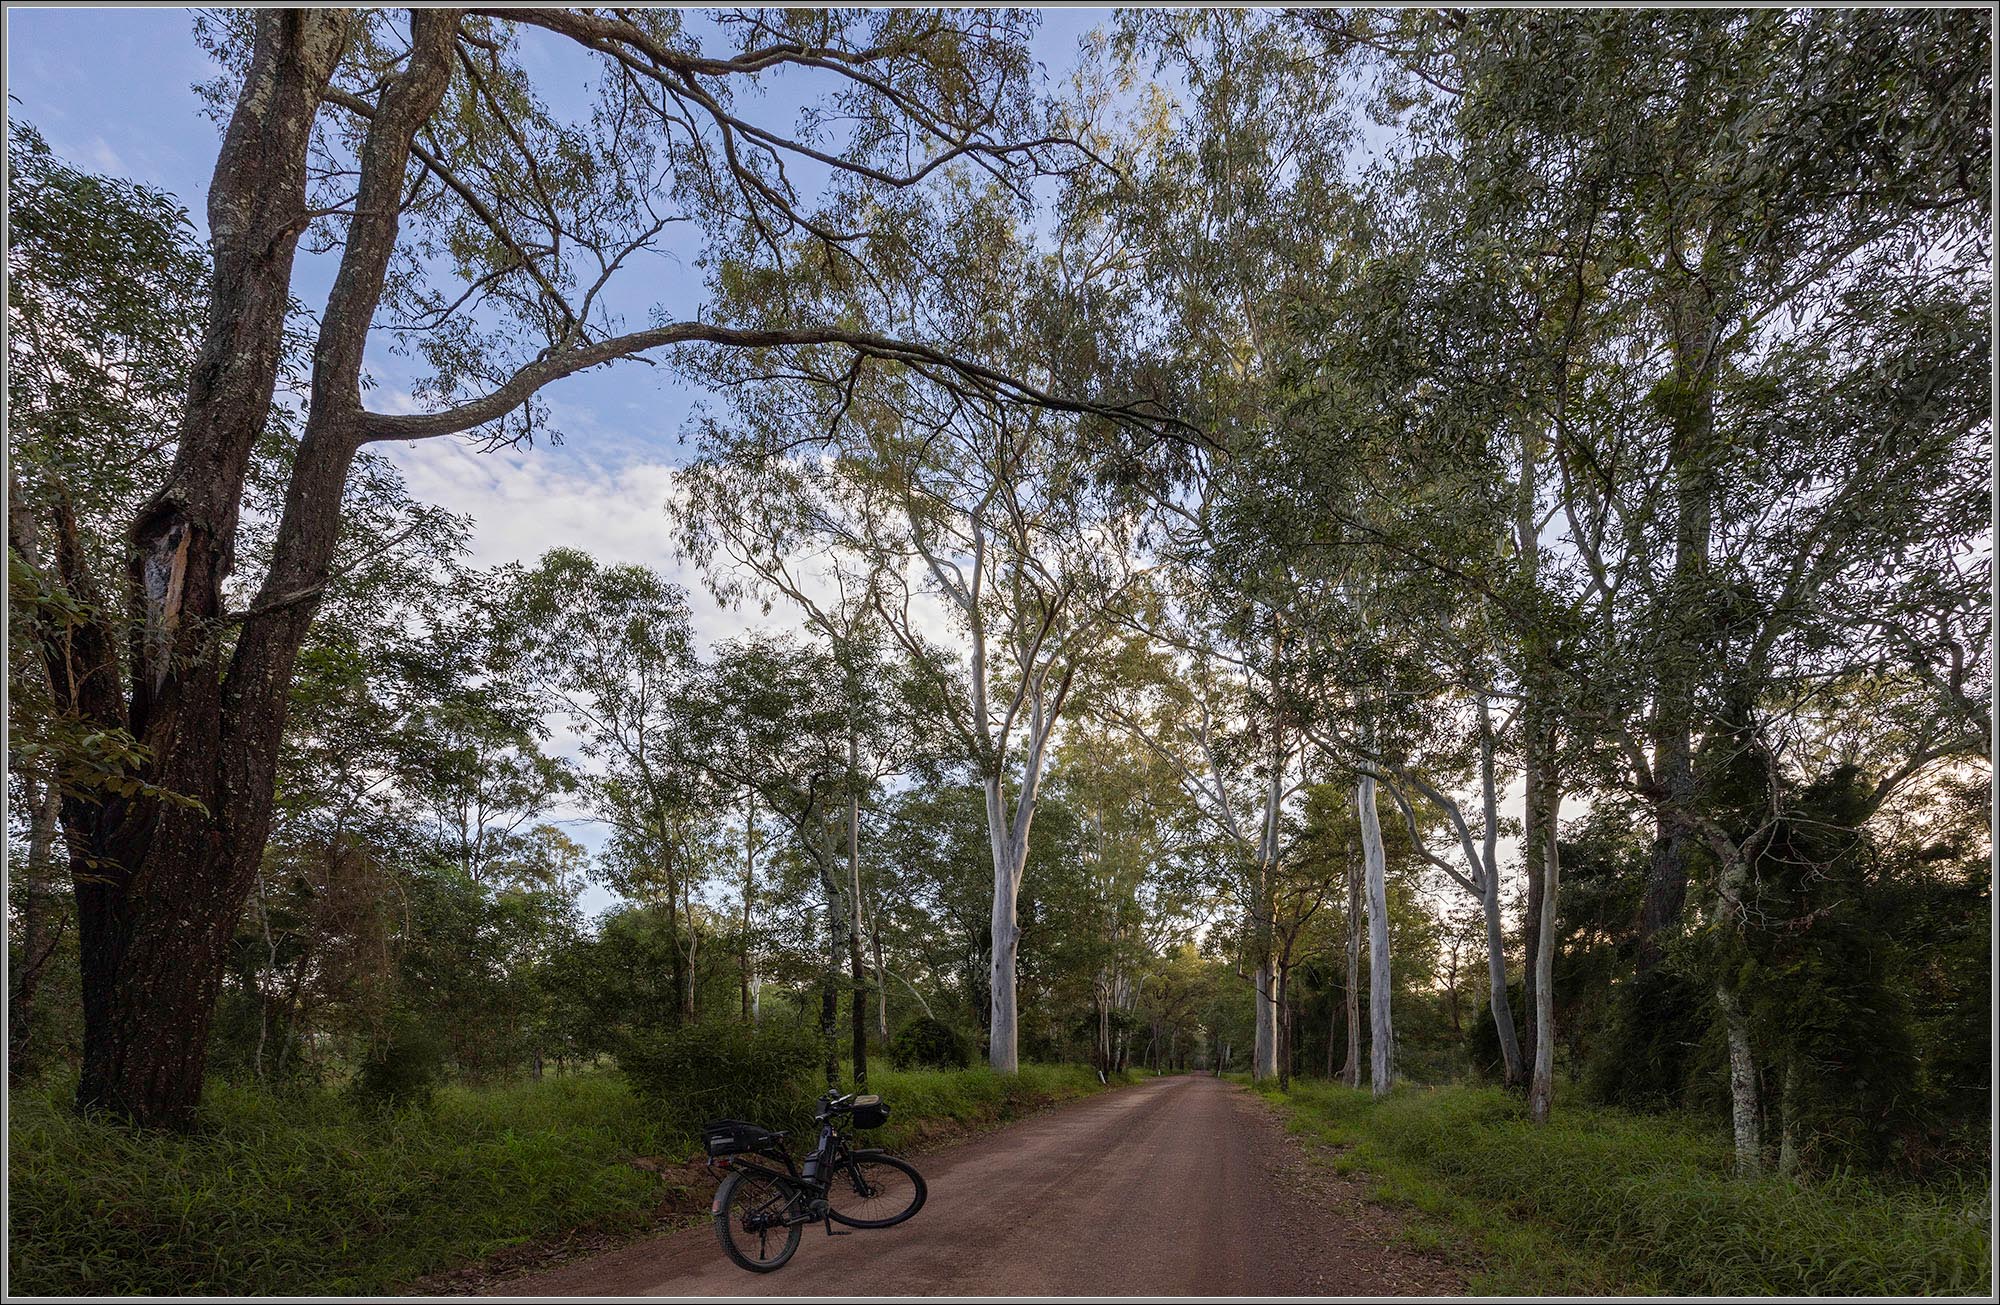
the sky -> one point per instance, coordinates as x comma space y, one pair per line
113, 91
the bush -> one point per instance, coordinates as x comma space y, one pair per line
404, 1066
926, 1043
701, 1072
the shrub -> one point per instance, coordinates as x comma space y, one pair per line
926, 1043
405, 1064
708, 1071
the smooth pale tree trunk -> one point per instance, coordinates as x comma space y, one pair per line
857, 970
1381, 1031
1541, 1091
881, 975
836, 945
1496, 979
1533, 863
1264, 1047
749, 888
1009, 844
1536, 761
1009, 860
1743, 1104
1350, 1073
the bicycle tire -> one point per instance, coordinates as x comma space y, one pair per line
849, 1178
745, 1194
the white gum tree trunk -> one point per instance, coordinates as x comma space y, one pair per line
1264, 1050
1381, 1028
1003, 1047
1746, 1124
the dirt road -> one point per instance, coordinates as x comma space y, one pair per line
1178, 1187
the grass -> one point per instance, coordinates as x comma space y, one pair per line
1602, 1202
305, 1193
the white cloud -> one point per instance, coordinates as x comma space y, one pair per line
526, 502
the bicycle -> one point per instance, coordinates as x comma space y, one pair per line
760, 1213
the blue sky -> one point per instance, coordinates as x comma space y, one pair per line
112, 90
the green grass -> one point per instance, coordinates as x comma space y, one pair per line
281, 1194
1603, 1201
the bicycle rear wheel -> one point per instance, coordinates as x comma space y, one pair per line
751, 1211
873, 1189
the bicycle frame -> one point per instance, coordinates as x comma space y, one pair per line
824, 1159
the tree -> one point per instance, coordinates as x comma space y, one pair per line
995, 513
476, 228
611, 648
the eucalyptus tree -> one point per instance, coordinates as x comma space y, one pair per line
779, 721
1203, 697
1762, 404
991, 543
1137, 872
751, 525
611, 649
472, 224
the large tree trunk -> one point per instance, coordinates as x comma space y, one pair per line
1381, 1032
1009, 846
160, 885
1541, 1091
1004, 1033
1682, 616
1264, 1045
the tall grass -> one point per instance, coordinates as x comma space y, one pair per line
1602, 1200
280, 1194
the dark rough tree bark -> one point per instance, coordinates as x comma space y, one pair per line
161, 881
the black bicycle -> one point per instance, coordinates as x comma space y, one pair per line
760, 1212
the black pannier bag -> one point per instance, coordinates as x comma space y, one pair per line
870, 1112
734, 1137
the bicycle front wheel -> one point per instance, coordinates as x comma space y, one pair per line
873, 1189
752, 1220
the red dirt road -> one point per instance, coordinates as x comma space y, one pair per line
1177, 1187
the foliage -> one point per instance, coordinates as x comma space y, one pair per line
404, 1067
926, 1043
700, 1072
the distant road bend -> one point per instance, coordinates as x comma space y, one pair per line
1176, 1187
